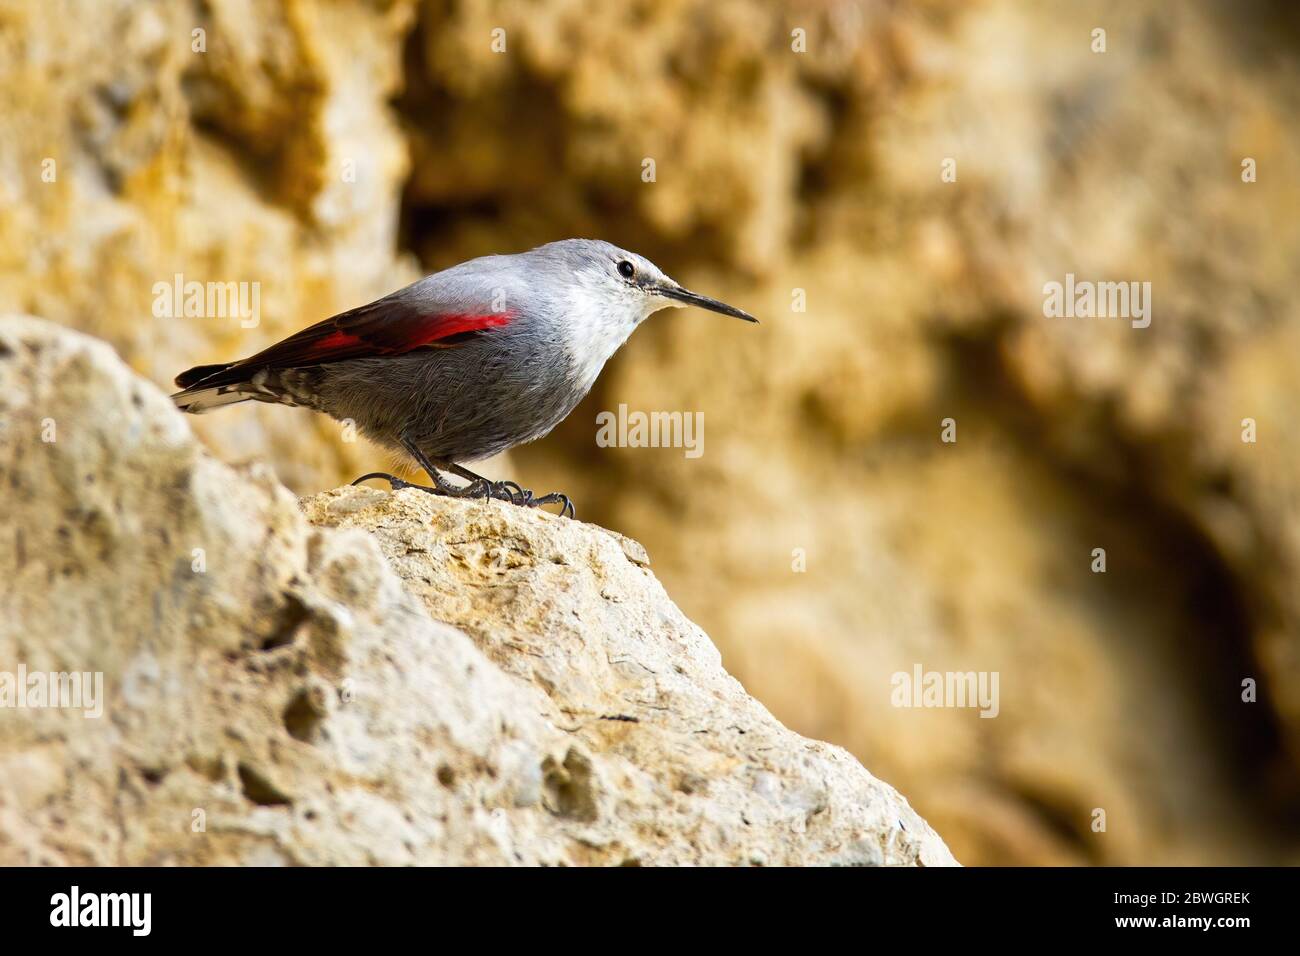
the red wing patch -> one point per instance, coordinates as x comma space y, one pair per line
372, 331
385, 327
337, 342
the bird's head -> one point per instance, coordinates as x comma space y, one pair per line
627, 284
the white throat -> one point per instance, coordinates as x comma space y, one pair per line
598, 323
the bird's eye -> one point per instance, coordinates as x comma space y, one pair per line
625, 269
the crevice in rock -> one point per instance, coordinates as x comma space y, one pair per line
1068, 824
258, 789
303, 718
446, 776
288, 622
270, 130
569, 786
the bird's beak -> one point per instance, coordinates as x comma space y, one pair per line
703, 301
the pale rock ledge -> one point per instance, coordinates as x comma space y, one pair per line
362, 677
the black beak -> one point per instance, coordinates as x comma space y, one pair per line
704, 302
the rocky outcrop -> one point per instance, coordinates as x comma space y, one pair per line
362, 677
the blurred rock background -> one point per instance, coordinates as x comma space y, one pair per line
332, 151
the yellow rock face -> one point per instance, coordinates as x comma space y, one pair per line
249, 146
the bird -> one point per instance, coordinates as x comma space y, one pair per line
462, 364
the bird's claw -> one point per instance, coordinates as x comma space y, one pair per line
395, 483
524, 498
567, 509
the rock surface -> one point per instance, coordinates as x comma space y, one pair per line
391, 679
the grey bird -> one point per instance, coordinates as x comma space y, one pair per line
462, 364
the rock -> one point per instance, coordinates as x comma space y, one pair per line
367, 678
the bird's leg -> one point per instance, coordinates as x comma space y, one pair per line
513, 492
478, 488
441, 486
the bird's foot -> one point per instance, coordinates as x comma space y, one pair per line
494, 490
516, 494
525, 499
508, 491
473, 490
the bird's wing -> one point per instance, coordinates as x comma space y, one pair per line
388, 326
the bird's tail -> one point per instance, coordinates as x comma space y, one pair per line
203, 388
199, 372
